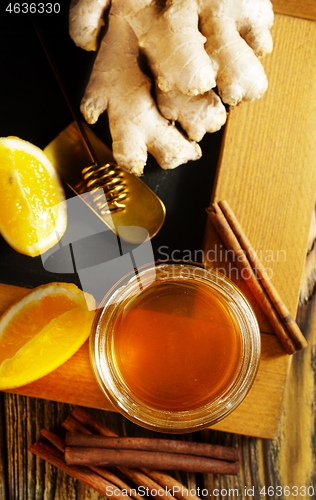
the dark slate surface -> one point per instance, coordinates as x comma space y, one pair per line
33, 108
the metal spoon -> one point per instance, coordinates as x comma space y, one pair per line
142, 209
76, 150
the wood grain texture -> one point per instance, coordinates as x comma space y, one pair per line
291, 459
267, 173
263, 399
31, 478
305, 9
3, 455
267, 170
288, 464
269, 150
308, 283
288, 461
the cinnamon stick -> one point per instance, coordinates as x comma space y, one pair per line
92, 425
285, 316
114, 481
138, 477
158, 445
170, 483
231, 243
149, 459
57, 441
83, 474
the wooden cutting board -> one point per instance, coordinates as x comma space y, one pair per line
267, 172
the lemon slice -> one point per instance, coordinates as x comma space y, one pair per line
33, 213
42, 331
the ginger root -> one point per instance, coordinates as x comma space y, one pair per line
191, 46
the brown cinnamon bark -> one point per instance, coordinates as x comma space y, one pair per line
114, 481
171, 484
138, 477
57, 441
149, 459
285, 316
157, 445
88, 422
83, 474
231, 243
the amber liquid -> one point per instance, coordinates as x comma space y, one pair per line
176, 345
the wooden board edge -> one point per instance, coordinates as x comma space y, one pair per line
274, 364
295, 8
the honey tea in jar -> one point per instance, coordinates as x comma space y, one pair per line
176, 347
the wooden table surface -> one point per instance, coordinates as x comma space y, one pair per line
287, 462
281, 468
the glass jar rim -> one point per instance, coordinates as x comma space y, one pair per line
101, 352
